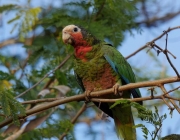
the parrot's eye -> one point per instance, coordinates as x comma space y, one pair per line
75, 29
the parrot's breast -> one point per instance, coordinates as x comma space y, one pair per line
96, 74
102, 80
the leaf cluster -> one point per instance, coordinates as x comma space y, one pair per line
146, 115
49, 131
10, 106
152, 118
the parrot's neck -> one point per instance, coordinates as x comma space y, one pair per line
81, 51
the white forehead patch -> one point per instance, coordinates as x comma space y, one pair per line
70, 28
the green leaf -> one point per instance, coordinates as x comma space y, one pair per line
10, 107
124, 102
14, 19
7, 7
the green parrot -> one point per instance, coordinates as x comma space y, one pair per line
99, 66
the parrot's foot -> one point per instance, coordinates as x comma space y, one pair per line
116, 91
87, 95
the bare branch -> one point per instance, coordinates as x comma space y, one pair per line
152, 41
46, 75
172, 101
83, 108
95, 94
169, 58
161, 50
40, 100
150, 22
93, 99
10, 41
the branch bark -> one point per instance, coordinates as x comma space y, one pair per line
95, 94
46, 75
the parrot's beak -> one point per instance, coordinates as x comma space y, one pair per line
66, 37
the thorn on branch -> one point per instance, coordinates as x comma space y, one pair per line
171, 100
165, 52
149, 44
171, 111
152, 91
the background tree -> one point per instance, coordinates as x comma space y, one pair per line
35, 65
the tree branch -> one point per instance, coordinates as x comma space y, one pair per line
95, 94
83, 108
152, 41
10, 41
172, 101
169, 58
150, 22
46, 75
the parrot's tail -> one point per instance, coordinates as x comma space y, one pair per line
124, 123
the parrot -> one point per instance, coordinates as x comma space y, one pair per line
99, 66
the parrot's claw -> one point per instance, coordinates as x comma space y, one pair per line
116, 91
87, 95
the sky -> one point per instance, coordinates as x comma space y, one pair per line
129, 45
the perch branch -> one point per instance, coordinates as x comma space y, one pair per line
95, 94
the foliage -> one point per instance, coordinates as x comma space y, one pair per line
7, 7
10, 106
145, 115
154, 119
49, 131
27, 18
100, 17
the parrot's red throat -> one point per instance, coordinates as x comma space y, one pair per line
81, 51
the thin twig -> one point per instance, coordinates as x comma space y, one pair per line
168, 56
164, 50
96, 94
3, 115
41, 100
134, 53
83, 108
173, 98
170, 107
149, 43
46, 75
173, 89
172, 101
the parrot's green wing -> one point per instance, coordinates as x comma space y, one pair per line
121, 67
79, 81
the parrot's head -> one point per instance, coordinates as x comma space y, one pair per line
78, 36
